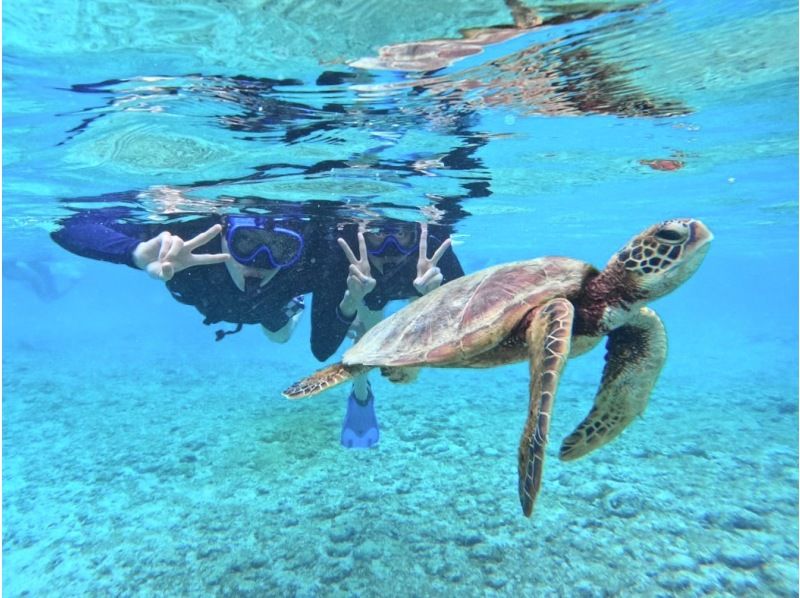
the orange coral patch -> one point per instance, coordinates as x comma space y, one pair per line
662, 164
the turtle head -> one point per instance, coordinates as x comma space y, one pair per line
664, 256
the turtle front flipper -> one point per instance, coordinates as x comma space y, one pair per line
635, 354
548, 337
324, 379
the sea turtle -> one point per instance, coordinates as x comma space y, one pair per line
545, 310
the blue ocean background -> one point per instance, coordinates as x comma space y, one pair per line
141, 457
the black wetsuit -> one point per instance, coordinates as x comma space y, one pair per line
321, 271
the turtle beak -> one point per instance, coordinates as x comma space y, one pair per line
699, 234
699, 242
694, 251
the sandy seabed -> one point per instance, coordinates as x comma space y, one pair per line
180, 480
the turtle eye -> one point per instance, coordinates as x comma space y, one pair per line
671, 235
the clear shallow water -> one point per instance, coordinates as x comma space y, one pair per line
142, 457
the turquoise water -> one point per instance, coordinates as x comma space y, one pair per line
140, 457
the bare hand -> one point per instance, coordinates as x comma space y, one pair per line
429, 276
359, 280
165, 255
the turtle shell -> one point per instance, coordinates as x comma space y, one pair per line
467, 315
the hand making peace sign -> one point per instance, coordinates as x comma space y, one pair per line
165, 255
359, 280
429, 276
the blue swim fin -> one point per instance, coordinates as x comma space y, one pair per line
360, 427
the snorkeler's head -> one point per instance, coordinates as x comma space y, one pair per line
261, 242
392, 240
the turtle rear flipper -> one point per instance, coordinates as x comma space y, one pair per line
548, 336
324, 379
635, 354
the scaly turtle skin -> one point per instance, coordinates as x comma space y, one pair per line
544, 310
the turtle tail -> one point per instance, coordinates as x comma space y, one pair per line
324, 379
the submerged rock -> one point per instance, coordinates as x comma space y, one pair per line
741, 557
623, 503
680, 562
742, 519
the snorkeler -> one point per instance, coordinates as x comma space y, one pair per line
237, 269
392, 263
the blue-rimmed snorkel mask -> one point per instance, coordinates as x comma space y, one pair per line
260, 242
392, 241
